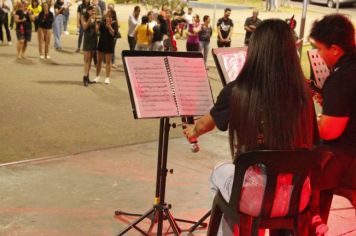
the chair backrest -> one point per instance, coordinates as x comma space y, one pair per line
300, 163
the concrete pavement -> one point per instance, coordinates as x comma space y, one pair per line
46, 111
77, 195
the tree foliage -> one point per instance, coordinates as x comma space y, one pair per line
157, 4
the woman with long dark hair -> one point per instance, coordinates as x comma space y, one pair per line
90, 27
45, 21
159, 31
268, 106
108, 30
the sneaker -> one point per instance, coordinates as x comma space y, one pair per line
107, 81
9, 43
48, 57
66, 32
97, 79
42, 56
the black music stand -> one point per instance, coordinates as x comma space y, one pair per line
160, 210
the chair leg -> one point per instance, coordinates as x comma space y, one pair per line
301, 226
246, 225
215, 219
326, 197
255, 226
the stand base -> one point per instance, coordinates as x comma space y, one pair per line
153, 215
200, 223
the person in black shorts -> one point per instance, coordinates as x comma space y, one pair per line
225, 28
108, 31
81, 11
91, 27
334, 38
23, 19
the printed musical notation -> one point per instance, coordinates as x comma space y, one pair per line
230, 61
319, 68
150, 86
169, 86
192, 89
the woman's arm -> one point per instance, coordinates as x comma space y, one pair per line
202, 126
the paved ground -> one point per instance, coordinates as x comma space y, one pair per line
77, 195
45, 111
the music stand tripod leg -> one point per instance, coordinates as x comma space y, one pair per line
133, 224
200, 222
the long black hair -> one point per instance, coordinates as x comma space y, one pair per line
271, 107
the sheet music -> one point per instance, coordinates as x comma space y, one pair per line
192, 87
320, 70
151, 87
230, 61
233, 63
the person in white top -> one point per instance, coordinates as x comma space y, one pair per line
6, 8
189, 16
152, 19
133, 22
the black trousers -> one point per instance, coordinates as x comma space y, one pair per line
224, 44
4, 21
339, 171
132, 42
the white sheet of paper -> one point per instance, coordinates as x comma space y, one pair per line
151, 87
192, 87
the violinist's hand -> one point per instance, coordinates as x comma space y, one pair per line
189, 131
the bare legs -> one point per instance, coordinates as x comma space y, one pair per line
40, 41
44, 39
19, 47
88, 55
107, 57
87, 63
47, 40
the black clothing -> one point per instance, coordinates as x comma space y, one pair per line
45, 20
59, 6
205, 33
224, 44
107, 41
132, 42
102, 5
157, 33
225, 26
339, 99
221, 110
23, 25
4, 21
250, 21
90, 37
192, 47
339, 96
82, 9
